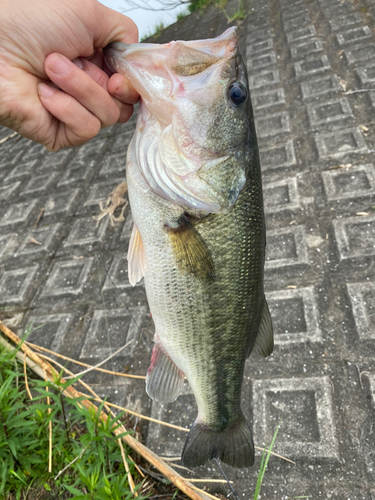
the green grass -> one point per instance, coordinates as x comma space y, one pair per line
79, 438
263, 464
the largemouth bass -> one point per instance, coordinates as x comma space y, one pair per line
195, 192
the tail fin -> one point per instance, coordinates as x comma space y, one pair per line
234, 445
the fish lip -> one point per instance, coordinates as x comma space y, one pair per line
118, 46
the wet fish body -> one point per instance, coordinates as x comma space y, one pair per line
199, 237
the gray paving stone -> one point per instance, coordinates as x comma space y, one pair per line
68, 277
118, 275
79, 173
279, 157
50, 330
308, 69
348, 183
345, 22
15, 285
258, 36
270, 99
113, 165
282, 195
62, 204
303, 49
361, 55
295, 23
355, 236
38, 243
295, 316
296, 10
305, 404
18, 214
338, 144
110, 329
261, 61
8, 243
7, 190
326, 86
38, 184
366, 75
259, 47
362, 297
86, 231
22, 171
287, 247
301, 34
354, 36
276, 124
264, 79
336, 113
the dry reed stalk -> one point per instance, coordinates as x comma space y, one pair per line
26, 381
81, 363
49, 430
190, 490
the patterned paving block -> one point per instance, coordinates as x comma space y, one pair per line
78, 173
371, 379
94, 147
7, 190
325, 86
272, 125
294, 23
49, 331
308, 69
281, 195
22, 171
113, 165
18, 214
261, 62
68, 277
110, 329
100, 191
340, 143
366, 75
127, 229
303, 49
296, 10
62, 203
270, 99
264, 79
32, 150
361, 55
280, 157
354, 36
45, 237
164, 440
345, 22
39, 183
301, 34
53, 161
295, 316
355, 236
258, 36
353, 182
332, 113
85, 231
258, 47
362, 298
117, 276
122, 140
287, 247
305, 406
8, 243
15, 285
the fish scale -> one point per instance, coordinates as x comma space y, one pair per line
202, 259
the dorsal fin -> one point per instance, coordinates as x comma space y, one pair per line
136, 257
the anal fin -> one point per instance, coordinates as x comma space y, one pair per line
164, 380
190, 251
136, 257
264, 341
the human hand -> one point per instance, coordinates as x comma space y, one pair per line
38, 42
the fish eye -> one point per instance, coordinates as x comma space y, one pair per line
237, 93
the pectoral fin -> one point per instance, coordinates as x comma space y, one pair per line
264, 341
164, 380
190, 251
136, 257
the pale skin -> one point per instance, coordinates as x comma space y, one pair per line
54, 86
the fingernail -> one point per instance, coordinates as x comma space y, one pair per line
45, 90
59, 65
78, 62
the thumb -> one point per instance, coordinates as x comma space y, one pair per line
111, 26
